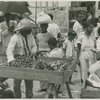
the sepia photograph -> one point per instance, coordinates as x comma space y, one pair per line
49, 49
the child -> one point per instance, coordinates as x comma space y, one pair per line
43, 36
57, 53
54, 50
68, 47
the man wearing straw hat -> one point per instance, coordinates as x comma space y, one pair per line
22, 43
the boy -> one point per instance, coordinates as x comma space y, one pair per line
57, 53
68, 47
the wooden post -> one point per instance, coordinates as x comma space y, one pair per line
96, 9
41, 5
69, 90
35, 10
67, 15
46, 3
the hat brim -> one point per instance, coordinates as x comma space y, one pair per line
25, 28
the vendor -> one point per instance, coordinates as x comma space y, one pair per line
22, 43
43, 20
43, 36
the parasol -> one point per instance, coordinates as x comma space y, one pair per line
17, 7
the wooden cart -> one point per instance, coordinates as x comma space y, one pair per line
40, 75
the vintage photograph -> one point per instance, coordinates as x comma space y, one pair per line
49, 49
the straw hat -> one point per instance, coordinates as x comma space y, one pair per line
25, 24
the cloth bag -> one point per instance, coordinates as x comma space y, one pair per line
94, 80
44, 18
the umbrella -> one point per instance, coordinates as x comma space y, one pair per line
17, 7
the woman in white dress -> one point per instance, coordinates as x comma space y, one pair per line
86, 42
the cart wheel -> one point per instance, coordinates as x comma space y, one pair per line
50, 95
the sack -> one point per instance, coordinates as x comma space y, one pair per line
94, 80
43, 19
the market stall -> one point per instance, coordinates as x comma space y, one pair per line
51, 76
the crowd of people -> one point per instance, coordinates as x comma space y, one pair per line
17, 37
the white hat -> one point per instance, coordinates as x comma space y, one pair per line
24, 24
44, 18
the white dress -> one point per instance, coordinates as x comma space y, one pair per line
87, 56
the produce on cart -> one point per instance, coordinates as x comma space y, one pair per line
57, 64
24, 61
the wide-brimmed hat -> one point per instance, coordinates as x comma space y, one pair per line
25, 24
43, 18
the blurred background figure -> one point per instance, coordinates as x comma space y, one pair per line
53, 28
77, 27
8, 25
89, 16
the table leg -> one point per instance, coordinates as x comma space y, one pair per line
68, 89
57, 90
50, 96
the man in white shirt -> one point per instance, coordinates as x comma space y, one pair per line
22, 43
53, 28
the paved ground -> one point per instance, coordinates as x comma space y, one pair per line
75, 89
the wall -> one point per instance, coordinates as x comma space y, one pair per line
60, 17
